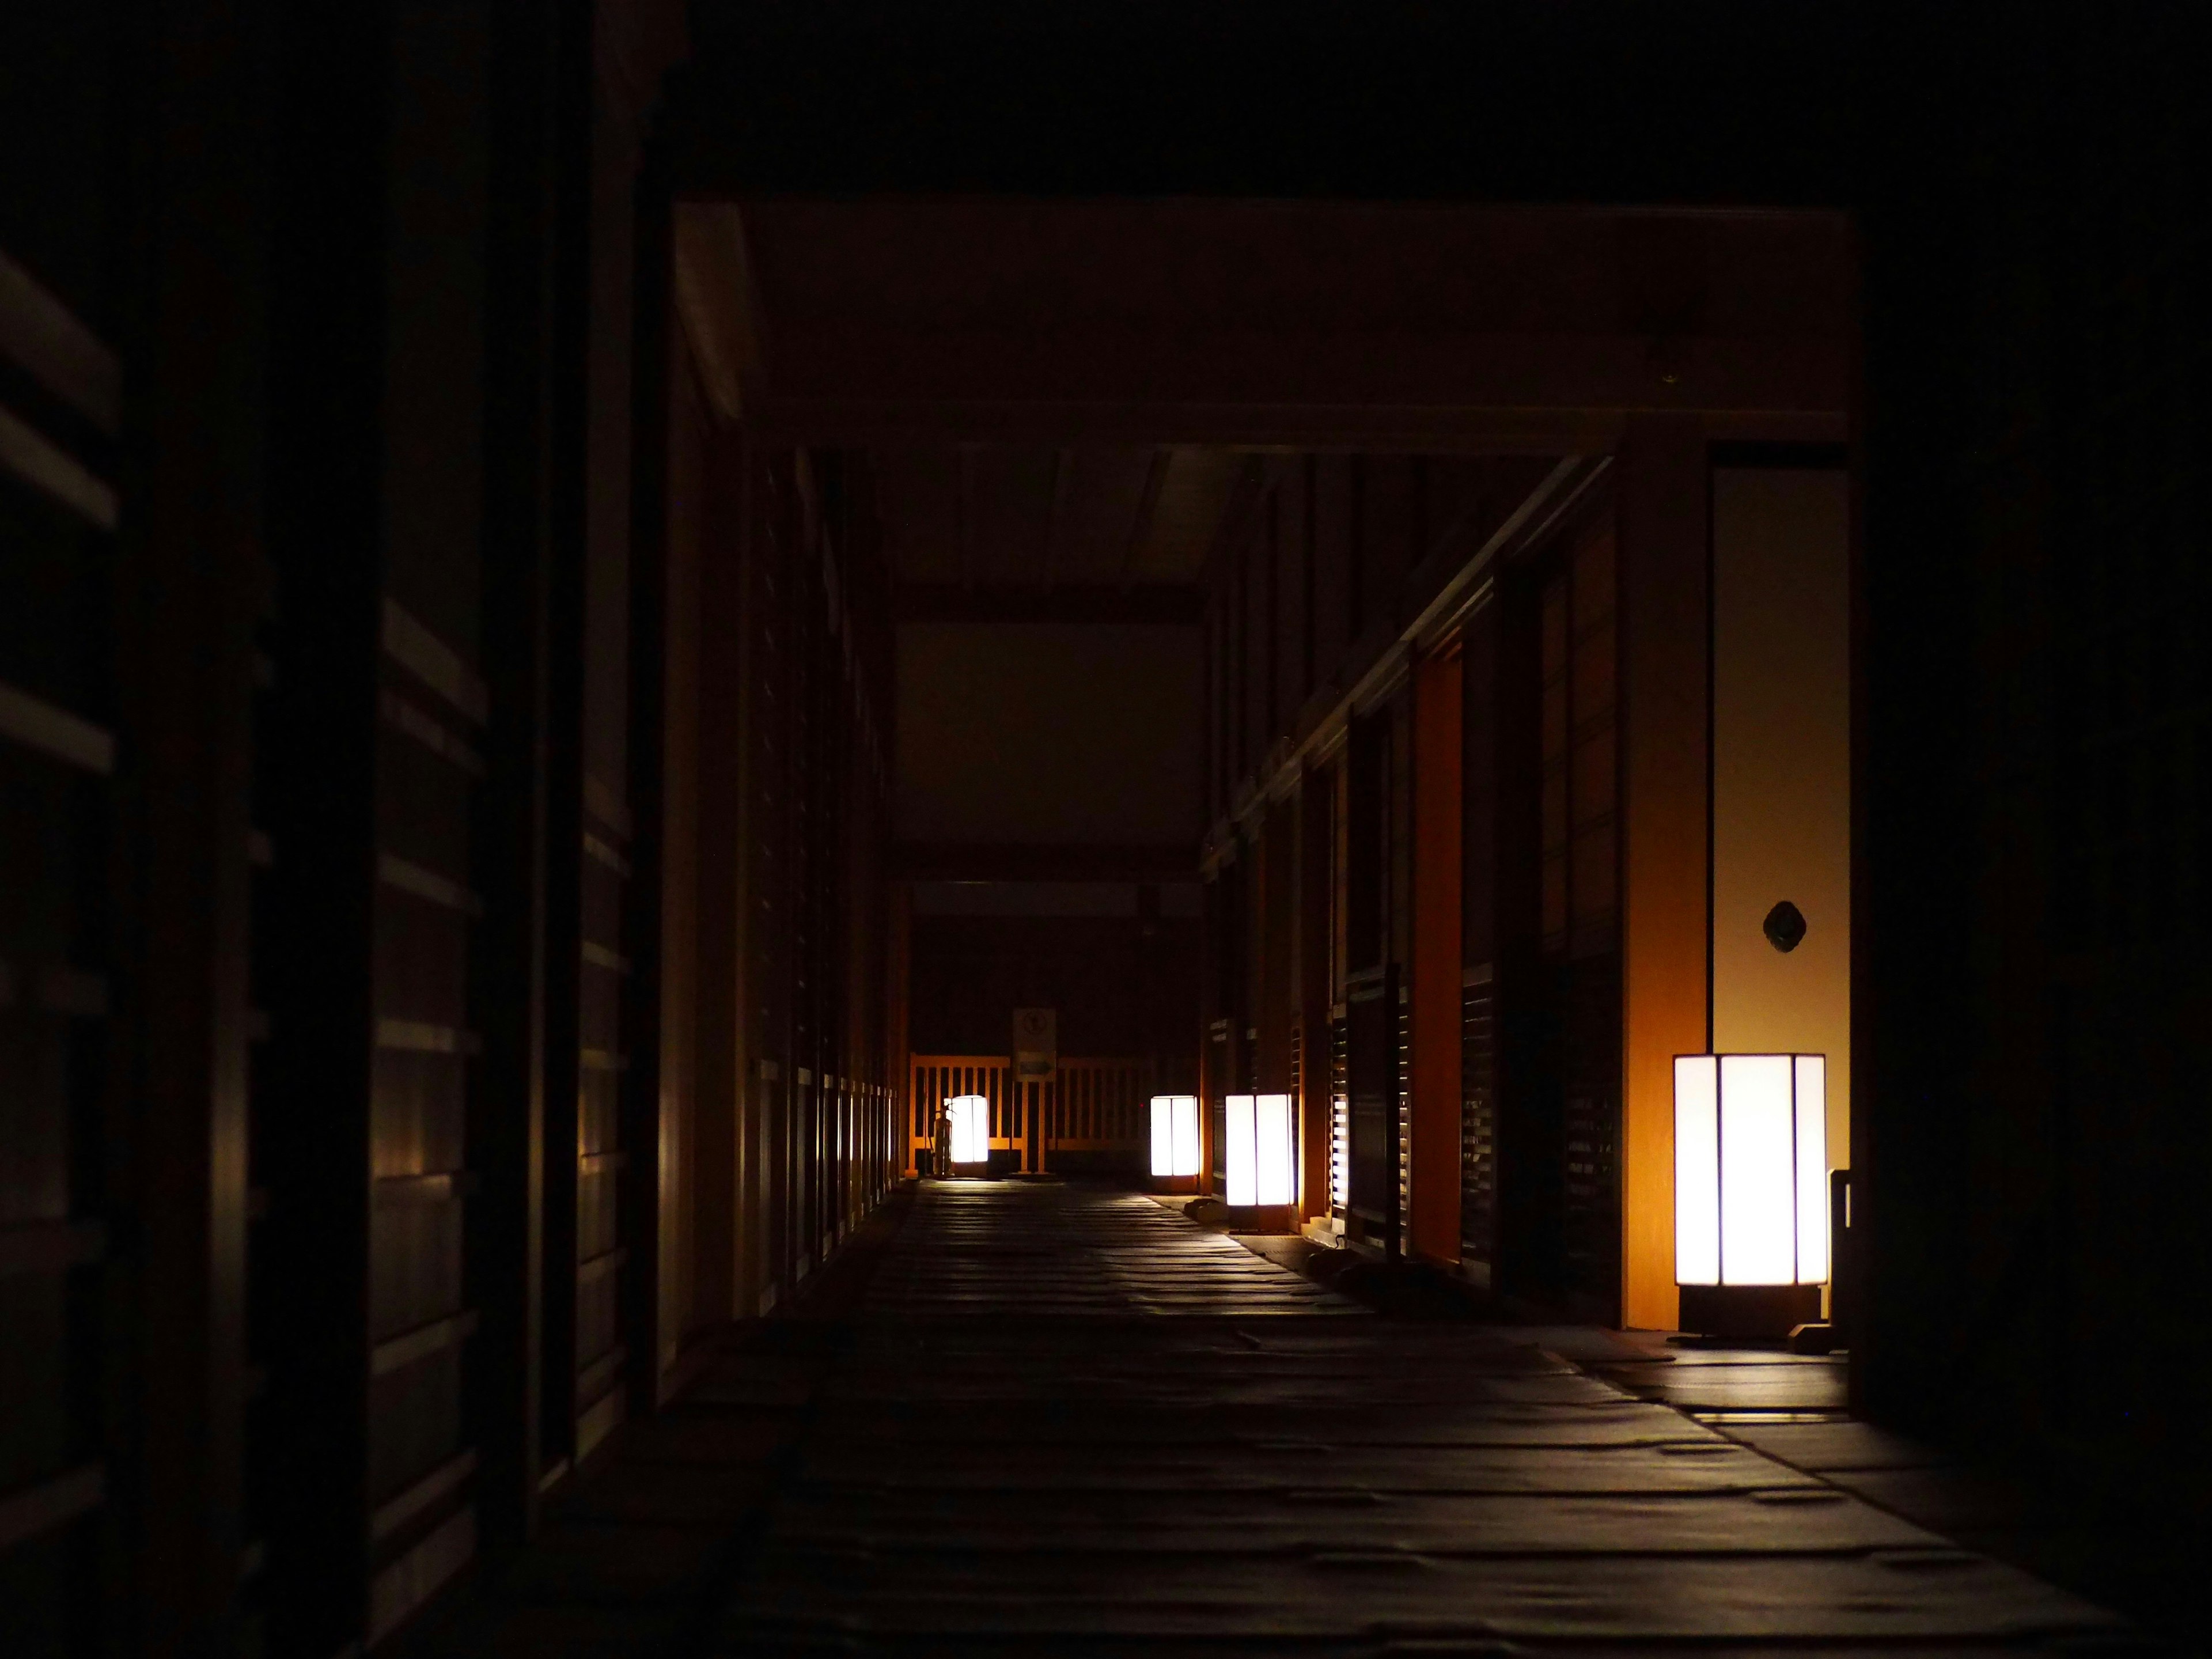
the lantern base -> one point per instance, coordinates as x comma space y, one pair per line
1260, 1217
1748, 1312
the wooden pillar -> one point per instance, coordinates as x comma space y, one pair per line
1316, 832
1481, 758
721, 1084
169, 1024
1433, 1083
899, 1062
1278, 1006
1665, 645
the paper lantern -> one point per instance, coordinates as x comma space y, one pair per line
1750, 1170
971, 1129
1261, 1159
1174, 1135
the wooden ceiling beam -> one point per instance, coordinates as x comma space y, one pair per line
1023, 861
1148, 504
964, 515
1063, 467
982, 371
1151, 604
886, 423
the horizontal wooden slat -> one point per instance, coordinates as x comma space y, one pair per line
406, 876
420, 1036
431, 661
598, 1421
421, 1342
404, 717
73, 992
37, 724
590, 1272
591, 1379
595, 1163
416, 1577
599, 955
50, 1247
70, 992
26, 453
31, 1510
1156, 604
601, 1060
397, 1512
441, 1187
603, 804
605, 854
57, 349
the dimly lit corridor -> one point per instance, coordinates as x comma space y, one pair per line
1122, 826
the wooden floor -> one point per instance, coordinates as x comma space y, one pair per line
1069, 1422
1043, 1419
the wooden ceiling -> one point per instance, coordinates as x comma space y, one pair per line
1035, 326
1061, 396
1078, 515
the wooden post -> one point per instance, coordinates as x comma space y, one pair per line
1316, 832
1433, 1083
1665, 645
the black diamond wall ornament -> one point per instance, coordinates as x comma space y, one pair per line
1784, 927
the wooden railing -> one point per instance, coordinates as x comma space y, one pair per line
1099, 1106
1096, 1110
936, 1078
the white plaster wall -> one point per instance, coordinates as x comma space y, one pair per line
1782, 769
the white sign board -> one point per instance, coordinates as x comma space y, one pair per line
1037, 1044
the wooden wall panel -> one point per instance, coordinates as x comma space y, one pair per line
1313, 894
681, 984
1276, 948
61, 705
1481, 935
729, 757
1433, 1076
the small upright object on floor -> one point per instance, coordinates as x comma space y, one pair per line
971, 1118
1750, 1180
1174, 1142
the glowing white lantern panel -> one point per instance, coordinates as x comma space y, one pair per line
1276, 1179
1261, 1157
971, 1129
1697, 1170
1759, 1171
1750, 1170
1812, 1169
1174, 1134
1243, 1152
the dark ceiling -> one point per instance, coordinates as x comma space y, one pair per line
1083, 515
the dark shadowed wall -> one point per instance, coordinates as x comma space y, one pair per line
1048, 732
1119, 962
